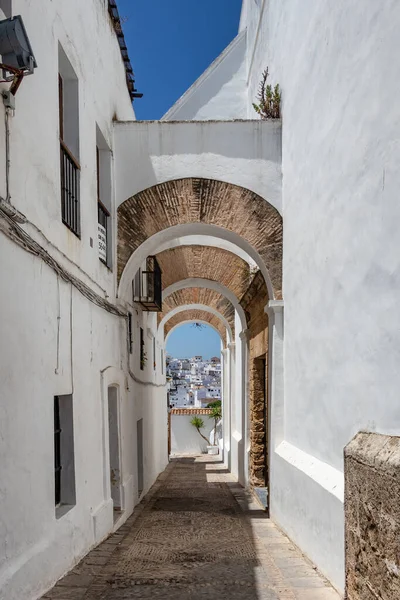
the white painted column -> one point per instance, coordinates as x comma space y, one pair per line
225, 387
244, 443
276, 406
275, 372
231, 400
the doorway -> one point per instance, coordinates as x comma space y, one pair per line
114, 449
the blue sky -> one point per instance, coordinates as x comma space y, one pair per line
186, 341
171, 43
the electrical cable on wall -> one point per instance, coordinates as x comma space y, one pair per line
25, 241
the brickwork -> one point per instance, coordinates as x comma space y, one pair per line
205, 262
206, 201
190, 411
254, 302
196, 315
200, 296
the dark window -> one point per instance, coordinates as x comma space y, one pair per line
57, 450
69, 144
142, 352
102, 216
130, 332
64, 458
103, 173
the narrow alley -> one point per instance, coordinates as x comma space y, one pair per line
197, 534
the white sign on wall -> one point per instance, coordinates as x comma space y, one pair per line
102, 237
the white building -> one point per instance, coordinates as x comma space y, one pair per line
82, 353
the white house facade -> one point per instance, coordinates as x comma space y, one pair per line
280, 234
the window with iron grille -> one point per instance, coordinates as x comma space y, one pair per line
103, 173
69, 143
130, 333
147, 286
143, 356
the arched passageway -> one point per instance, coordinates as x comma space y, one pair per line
219, 248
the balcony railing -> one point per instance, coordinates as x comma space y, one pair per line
70, 203
146, 286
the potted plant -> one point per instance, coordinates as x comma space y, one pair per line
198, 423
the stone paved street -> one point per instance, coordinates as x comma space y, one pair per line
196, 535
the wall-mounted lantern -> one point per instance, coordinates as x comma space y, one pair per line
16, 53
15, 48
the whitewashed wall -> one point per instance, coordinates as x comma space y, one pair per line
220, 92
341, 125
340, 155
185, 438
35, 364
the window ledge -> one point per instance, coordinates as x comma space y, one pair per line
63, 509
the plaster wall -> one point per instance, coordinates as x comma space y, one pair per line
53, 340
148, 153
220, 92
37, 363
185, 438
34, 128
341, 271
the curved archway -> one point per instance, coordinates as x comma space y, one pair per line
198, 282
206, 262
151, 246
233, 213
196, 312
208, 241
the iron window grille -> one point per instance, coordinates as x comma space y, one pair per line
57, 450
143, 356
70, 177
147, 286
130, 333
70, 174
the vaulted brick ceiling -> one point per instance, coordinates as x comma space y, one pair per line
197, 316
200, 296
205, 262
211, 202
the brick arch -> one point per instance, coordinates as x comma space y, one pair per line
200, 296
208, 262
196, 315
211, 202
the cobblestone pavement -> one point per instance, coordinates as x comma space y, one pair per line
196, 535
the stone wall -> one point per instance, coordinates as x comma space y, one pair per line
372, 513
254, 302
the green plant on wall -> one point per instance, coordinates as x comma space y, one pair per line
216, 414
198, 423
269, 99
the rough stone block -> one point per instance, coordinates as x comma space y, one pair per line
372, 514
